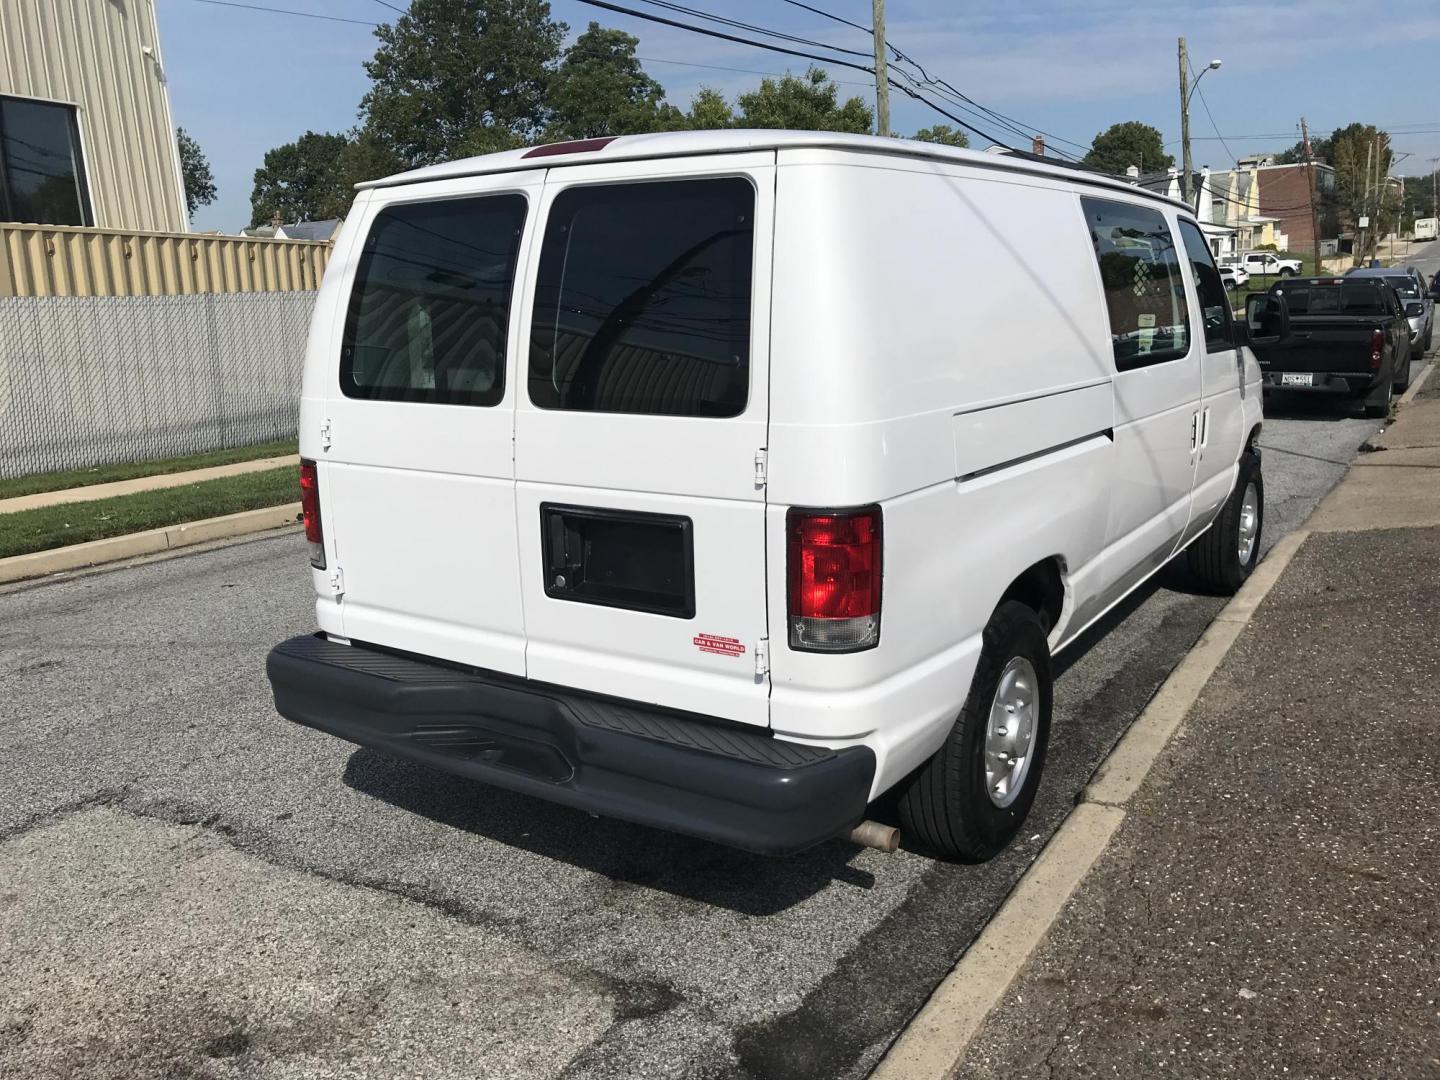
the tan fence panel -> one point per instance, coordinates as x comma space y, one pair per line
49, 260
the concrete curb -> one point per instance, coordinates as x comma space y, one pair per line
157, 482
934, 1043
186, 534
1418, 384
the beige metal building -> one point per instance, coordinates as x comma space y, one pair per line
86, 134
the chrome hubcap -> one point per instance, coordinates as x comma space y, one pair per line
1249, 523
1010, 733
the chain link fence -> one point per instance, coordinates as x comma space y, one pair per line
89, 380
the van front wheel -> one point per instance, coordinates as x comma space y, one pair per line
969, 800
1224, 554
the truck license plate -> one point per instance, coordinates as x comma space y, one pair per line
1296, 378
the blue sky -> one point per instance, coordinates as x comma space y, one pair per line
244, 81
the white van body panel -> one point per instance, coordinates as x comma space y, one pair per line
929, 334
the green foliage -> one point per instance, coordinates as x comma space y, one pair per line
601, 89
448, 68
75, 523
943, 133
1362, 160
805, 104
1131, 143
708, 111
1321, 148
199, 181
108, 474
300, 181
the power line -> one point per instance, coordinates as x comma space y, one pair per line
606, 5
829, 15
742, 71
392, 7
285, 11
1234, 160
670, 5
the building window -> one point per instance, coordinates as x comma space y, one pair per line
42, 172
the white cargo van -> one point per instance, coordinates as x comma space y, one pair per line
725, 481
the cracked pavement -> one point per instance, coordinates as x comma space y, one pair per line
192, 887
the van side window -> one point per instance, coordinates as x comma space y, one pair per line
431, 305
642, 300
1140, 271
1214, 301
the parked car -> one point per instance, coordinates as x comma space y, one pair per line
1348, 335
1234, 277
1409, 285
630, 484
1268, 264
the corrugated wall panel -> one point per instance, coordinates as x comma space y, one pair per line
91, 53
45, 260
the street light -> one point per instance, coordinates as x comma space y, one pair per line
1187, 90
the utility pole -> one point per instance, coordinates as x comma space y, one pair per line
882, 79
1365, 205
1314, 214
1184, 118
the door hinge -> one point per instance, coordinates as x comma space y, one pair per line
325, 434
762, 460
762, 656
337, 581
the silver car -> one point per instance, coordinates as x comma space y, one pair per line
1409, 284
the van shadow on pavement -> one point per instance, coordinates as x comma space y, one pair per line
630, 854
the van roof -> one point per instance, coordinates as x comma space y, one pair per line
733, 140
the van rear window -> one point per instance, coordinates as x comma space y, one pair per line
431, 305
1140, 271
642, 300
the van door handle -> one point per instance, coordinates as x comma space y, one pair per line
1194, 431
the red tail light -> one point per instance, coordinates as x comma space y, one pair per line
834, 567
310, 509
1377, 348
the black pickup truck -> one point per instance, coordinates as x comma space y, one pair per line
1347, 336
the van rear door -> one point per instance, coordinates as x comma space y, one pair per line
640, 433
418, 473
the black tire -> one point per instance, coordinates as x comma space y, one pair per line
946, 805
1402, 377
1285, 271
1214, 557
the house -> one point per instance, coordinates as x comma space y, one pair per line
1234, 196
86, 133
310, 230
1285, 192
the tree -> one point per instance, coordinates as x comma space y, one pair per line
1131, 143
601, 89
199, 181
807, 104
1296, 154
447, 68
943, 133
708, 110
1362, 160
301, 181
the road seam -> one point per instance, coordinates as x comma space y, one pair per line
934, 1043
170, 537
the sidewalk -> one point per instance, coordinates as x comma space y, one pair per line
1270, 905
142, 483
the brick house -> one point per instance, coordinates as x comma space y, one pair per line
1285, 196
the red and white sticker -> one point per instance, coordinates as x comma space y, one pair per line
720, 646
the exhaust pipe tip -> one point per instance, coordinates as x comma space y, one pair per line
872, 834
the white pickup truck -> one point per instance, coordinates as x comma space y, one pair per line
1264, 263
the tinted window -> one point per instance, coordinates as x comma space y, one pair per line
1405, 286
1354, 299
431, 304
1214, 302
642, 303
1144, 292
42, 174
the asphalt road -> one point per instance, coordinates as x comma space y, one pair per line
191, 886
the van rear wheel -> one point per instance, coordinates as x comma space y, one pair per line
969, 800
1224, 554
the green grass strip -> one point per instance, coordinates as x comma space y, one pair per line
74, 523
105, 474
